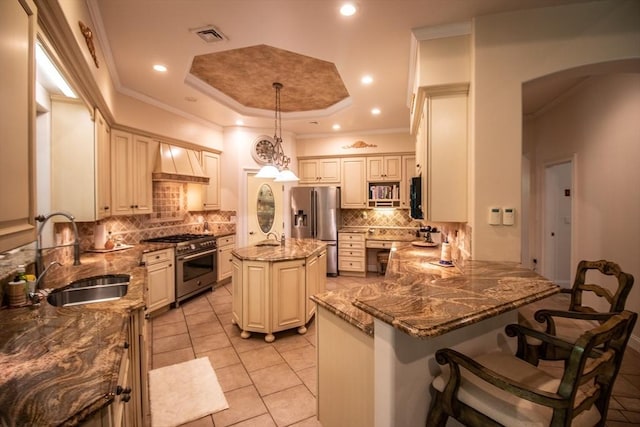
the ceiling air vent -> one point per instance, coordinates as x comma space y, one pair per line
209, 34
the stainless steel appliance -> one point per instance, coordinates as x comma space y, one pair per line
315, 213
196, 263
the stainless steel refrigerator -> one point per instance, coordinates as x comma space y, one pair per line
315, 213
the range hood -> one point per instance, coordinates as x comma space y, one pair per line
178, 164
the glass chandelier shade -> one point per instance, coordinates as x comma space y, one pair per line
278, 165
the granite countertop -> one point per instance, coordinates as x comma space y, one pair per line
426, 300
392, 236
60, 364
292, 249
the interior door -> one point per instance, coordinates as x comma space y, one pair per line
557, 223
265, 209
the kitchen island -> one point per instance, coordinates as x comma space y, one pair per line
62, 365
376, 343
273, 282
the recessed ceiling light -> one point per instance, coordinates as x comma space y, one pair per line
336, 126
239, 122
160, 68
347, 9
366, 80
375, 111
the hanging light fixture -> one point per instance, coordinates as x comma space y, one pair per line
278, 166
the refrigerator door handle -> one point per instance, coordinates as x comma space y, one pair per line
314, 214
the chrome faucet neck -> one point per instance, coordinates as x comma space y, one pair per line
76, 242
41, 276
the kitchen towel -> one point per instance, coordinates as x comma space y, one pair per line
184, 392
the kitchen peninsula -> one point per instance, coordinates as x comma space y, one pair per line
376, 343
273, 282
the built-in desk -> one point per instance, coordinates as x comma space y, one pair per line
389, 331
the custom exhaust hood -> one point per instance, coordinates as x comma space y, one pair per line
178, 164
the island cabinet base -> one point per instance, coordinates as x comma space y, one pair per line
345, 373
272, 296
405, 366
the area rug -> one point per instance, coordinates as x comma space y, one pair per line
184, 392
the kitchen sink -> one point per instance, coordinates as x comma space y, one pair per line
268, 243
103, 288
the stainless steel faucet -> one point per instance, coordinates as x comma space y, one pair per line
76, 242
41, 276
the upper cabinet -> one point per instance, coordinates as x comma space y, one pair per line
384, 168
319, 171
354, 184
442, 141
408, 172
17, 123
80, 161
132, 163
203, 197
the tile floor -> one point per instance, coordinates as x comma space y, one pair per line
275, 384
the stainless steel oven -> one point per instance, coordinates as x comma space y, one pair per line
194, 272
196, 263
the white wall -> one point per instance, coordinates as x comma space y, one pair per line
512, 48
599, 123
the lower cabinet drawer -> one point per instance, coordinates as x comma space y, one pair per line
351, 264
351, 253
382, 244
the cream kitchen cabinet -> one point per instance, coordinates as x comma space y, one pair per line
354, 185
18, 22
160, 279
128, 407
319, 171
442, 140
225, 266
271, 296
80, 161
211, 192
352, 259
384, 168
132, 161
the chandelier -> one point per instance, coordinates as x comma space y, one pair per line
278, 163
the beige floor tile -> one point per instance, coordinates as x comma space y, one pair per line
629, 403
309, 377
291, 405
274, 378
168, 358
201, 422
290, 340
170, 316
204, 317
263, 420
260, 358
631, 416
254, 342
223, 307
233, 377
309, 422
300, 358
207, 328
176, 342
196, 305
244, 404
169, 329
624, 387
221, 357
210, 342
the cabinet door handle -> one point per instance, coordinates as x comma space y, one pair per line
170, 265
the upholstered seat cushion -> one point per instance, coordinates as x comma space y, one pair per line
504, 407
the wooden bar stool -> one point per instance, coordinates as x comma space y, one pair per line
383, 260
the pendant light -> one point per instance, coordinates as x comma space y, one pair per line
278, 166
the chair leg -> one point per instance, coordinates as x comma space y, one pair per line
436, 417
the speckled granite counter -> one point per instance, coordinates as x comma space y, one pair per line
425, 300
292, 249
59, 364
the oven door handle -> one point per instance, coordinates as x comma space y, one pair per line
198, 255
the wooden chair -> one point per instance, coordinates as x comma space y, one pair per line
500, 389
571, 323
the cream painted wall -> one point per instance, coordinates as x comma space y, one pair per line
339, 145
512, 48
599, 123
444, 61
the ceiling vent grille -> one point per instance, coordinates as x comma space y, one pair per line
209, 34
